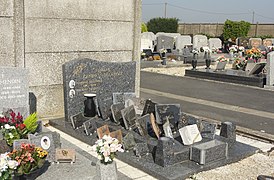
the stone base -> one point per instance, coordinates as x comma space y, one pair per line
269, 87
230, 76
106, 172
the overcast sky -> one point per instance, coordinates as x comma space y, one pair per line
200, 11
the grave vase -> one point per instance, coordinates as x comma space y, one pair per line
106, 171
208, 62
90, 107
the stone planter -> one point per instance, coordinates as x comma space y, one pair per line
221, 66
106, 171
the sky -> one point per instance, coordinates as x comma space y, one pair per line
210, 11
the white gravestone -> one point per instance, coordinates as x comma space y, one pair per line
270, 71
255, 42
182, 41
214, 43
199, 41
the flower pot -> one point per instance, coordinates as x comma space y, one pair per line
106, 171
34, 174
194, 64
221, 66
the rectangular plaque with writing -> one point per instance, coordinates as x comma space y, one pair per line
83, 76
65, 155
103, 130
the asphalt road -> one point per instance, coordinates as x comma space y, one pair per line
248, 107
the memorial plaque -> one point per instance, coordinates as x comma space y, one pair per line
171, 112
208, 130
149, 107
119, 97
138, 103
65, 156
129, 116
116, 112
18, 142
117, 134
46, 142
90, 126
98, 77
77, 120
155, 126
128, 141
142, 124
103, 130
14, 88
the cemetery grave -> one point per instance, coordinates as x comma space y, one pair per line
152, 138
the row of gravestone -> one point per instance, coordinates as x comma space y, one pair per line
171, 40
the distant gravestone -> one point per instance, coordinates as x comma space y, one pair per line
83, 76
199, 41
182, 41
214, 43
241, 41
268, 42
270, 70
14, 88
165, 42
255, 42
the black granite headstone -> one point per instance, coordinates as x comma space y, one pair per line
129, 116
172, 112
116, 112
170, 152
98, 77
90, 126
228, 131
141, 149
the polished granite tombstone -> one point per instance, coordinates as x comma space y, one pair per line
102, 78
229, 75
177, 171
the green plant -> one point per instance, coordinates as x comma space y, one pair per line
167, 25
31, 122
234, 29
143, 27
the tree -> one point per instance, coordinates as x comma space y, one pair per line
143, 27
168, 25
234, 29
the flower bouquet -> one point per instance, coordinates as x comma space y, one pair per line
221, 59
7, 166
254, 53
29, 158
233, 49
239, 63
106, 149
13, 127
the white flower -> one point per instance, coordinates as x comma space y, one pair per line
99, 157
107, 159
1, 116
12, 164
7, 126
11, 135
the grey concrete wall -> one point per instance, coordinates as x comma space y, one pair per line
43, 35
215, 29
